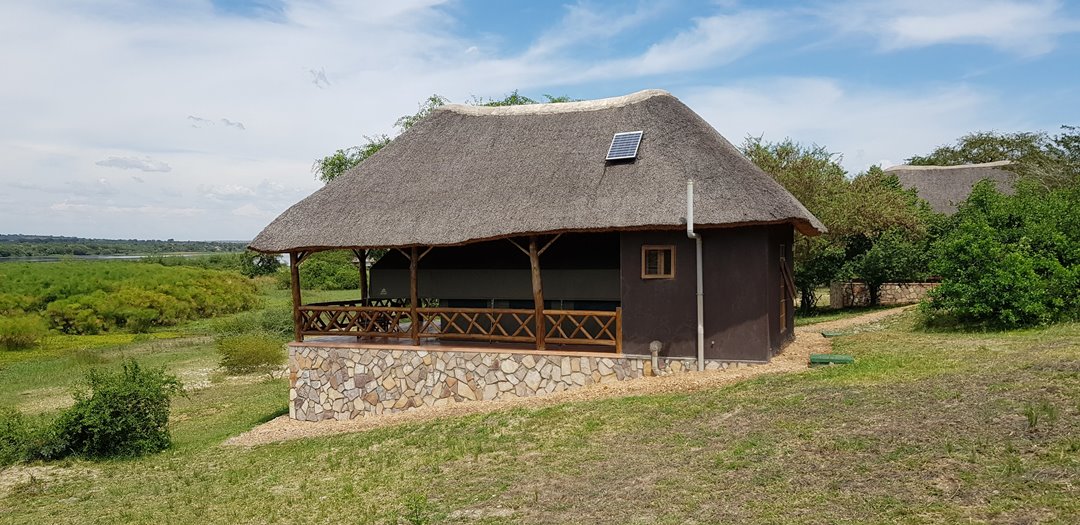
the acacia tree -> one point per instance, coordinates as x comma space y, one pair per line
857, 213
1051, 161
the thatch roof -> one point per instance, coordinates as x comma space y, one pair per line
469, 173
944, 187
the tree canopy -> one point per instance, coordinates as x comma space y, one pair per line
1049, 160
870, 217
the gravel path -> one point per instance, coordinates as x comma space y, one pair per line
808, 340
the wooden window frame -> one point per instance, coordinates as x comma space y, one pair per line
669, 273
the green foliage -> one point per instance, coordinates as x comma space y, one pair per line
892, 257
332, 166
251, 352
857, 213
121, 413
21, 331
425, 108
247, 263
253, 264
272, 320
516, 99
15, 434
15, 245
1009, 261
329, 270
89, 297
1050, 161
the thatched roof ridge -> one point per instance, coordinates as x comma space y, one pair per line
561, 107
467, 174
944, 187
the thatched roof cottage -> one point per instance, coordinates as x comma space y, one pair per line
528, 243
944, 187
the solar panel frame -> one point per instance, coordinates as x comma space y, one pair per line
624, 145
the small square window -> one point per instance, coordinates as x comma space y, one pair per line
657, 262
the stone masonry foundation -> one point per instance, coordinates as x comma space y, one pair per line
328, 382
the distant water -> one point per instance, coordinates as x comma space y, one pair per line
58, 258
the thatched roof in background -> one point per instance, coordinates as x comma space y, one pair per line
472, 173
944, 187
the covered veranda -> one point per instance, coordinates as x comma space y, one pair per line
420, 321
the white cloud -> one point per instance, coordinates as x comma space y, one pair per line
253, 211
177, 81
135, 163
866, 125
585, 24
153, 211
1022, 27
226, 192
712, 41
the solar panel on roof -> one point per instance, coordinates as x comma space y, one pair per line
624, 145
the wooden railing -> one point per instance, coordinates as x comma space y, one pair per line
361, 321
503, 325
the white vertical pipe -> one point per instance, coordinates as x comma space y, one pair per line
700, 278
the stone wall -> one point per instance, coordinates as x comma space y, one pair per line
854, 293
331, 382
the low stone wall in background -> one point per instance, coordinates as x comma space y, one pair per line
329, 382
853, 293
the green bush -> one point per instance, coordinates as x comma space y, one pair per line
21, 331
93, 297
272, 320
251, 352
14, 437
121, 413
1009, 261
330, 270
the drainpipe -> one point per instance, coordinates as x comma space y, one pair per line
700, 287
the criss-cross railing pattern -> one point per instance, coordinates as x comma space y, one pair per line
478, 324
582, 327
504, 325
364, 321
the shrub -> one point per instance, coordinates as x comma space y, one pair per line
1009, 261
251, 352
94, 297
273, 320
14, 436
121, 413
21, 331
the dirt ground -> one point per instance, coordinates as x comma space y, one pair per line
808, 340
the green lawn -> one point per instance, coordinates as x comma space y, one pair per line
925, 427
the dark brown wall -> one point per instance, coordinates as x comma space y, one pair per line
658, 309
736, 291
780, 236
741, 285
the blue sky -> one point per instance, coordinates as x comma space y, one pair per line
200, 120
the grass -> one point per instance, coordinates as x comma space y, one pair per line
924, 427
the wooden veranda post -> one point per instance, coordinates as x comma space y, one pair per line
414, 299
538, 293
361, 264
294, 271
